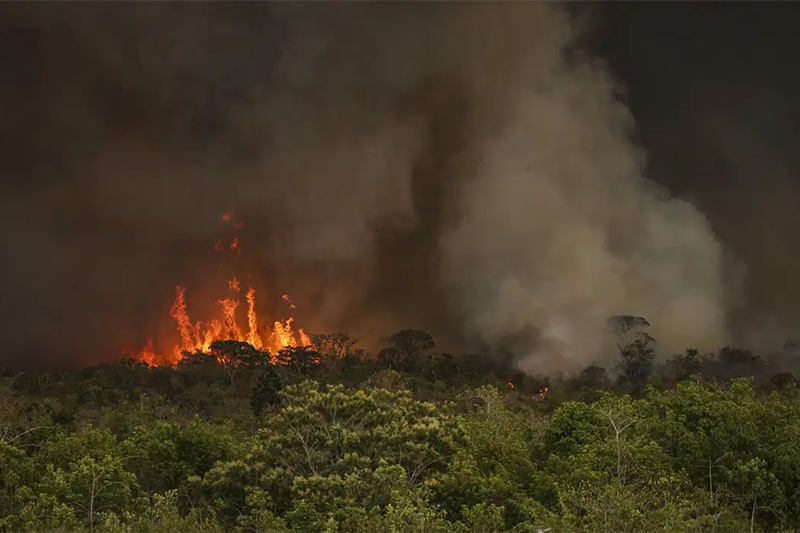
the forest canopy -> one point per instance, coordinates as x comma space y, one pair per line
327, 437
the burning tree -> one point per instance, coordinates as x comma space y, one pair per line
334, 347
233, 355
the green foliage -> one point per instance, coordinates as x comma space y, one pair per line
317, 448
637, 359
265, 391
131, 448
166, 456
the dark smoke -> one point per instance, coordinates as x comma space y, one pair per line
460, 168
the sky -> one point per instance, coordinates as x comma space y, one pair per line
543, 168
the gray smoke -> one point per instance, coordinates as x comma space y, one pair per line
461, 168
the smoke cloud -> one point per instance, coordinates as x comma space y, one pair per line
461, 168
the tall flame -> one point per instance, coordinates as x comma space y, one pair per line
198, 336
148, 354
252, 320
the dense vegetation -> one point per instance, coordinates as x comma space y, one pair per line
410, 440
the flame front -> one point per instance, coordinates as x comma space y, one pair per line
198, 336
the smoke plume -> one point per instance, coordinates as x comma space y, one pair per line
460, 168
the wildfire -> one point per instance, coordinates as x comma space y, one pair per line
198, 336
148, 354
543, 392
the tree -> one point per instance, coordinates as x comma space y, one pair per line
440, 366
234, 355
333, 347
685, 364
164, 456
404, 348
301, 359
319, 446
265, 391
81, 477
593, 377
626, 328
637, 359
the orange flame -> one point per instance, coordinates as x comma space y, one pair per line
510, 384
148, 354
198, 336
252, 320
230, 328
185, 328
543, 392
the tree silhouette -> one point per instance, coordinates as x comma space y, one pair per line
404, 348
233, 355
266, 389
302, 359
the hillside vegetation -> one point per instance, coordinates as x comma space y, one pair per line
331, 439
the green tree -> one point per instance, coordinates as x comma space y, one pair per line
637, 359
685, 364
265, 390
166, 455
320, 437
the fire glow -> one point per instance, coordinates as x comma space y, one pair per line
198, 336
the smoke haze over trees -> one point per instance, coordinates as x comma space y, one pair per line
472, 170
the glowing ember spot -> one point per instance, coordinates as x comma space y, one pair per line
252, 320
510, 384
233, 285
226, 217
235, 245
